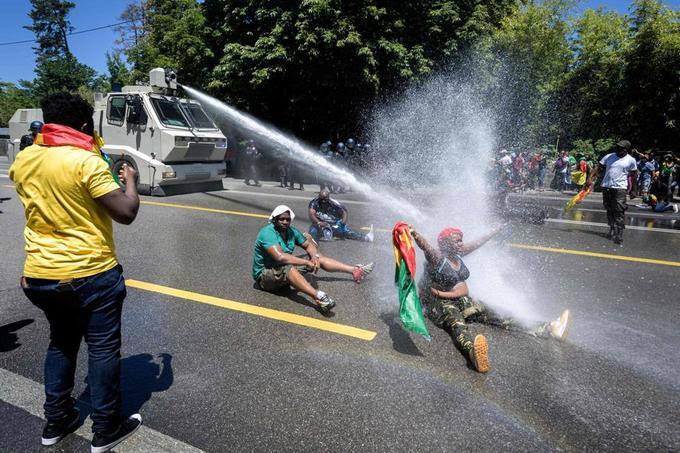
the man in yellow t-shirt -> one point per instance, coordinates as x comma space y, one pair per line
71, 272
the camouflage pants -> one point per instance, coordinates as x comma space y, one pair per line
452, 315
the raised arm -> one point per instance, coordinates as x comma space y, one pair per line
122, 206
474, 245
432, 255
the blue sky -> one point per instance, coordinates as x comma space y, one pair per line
17, 61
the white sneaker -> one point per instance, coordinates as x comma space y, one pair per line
675, 208
370, 235
560, 327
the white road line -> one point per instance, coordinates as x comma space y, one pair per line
604, 225
28, 395
3, 175
295, 197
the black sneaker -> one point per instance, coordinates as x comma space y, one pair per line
54, 432
105, 442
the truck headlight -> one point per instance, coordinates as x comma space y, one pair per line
182, 141
221, 144
168, 175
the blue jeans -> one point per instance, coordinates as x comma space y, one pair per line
89, 308
345, 233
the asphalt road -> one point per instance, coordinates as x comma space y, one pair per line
206, 373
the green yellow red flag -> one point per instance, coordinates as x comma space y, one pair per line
410, 308
576, 199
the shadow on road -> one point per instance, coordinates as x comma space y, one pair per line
141, 376
9, 340
401, 341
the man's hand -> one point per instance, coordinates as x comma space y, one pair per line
316, 262
436, 292
127, 173
313, 265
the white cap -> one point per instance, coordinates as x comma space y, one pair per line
280, 209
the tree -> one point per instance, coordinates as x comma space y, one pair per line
334, 57
13, 97
174, 39
592, 102
652, 77
57, 68
523, 65
118, 70
136, 27
51, 26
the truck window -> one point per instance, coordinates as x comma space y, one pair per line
169, 112
198, 116
116, 111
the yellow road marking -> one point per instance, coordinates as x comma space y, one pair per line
594, 254
198, 208
521, 246
255, 310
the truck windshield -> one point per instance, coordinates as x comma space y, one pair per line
198, 116
169, 112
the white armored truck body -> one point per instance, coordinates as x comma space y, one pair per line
174, 146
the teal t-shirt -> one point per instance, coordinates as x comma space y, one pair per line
267, 237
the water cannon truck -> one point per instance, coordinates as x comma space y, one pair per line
171, 142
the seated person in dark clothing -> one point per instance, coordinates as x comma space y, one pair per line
446, 301
329, 219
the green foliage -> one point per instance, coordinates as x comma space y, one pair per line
314, 66
523, 65
599, 75
652, 77
50, 26
118, 70
56, 67
593, 151
13, 97
173, 37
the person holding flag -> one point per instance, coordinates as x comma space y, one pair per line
444, 293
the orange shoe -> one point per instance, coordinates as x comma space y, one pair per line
479, 354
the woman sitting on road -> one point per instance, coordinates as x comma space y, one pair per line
444, 295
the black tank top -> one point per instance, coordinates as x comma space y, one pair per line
443, 276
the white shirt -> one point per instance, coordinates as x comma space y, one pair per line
505, 160
616, 175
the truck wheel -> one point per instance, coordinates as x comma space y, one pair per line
118, 165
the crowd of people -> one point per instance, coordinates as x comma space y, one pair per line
626, 174
656, 181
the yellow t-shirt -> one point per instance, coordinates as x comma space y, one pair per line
68, 234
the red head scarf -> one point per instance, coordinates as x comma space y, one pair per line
448, 232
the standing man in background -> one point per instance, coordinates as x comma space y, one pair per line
250, 158
71, 272
616, 167
28, 139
